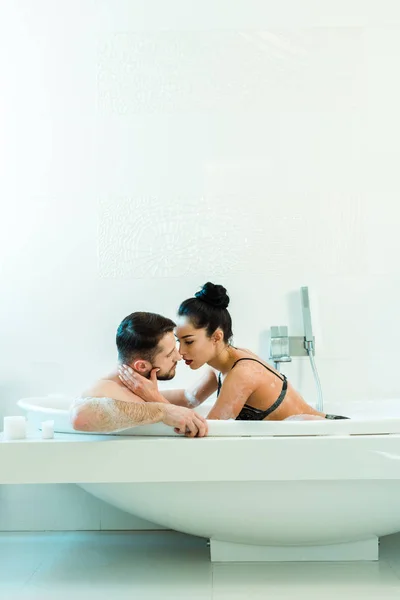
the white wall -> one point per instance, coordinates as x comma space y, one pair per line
147, 147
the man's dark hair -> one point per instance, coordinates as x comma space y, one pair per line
139, 334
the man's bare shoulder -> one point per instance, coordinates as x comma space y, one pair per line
97, 388
107, 388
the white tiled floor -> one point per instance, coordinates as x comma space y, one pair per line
168, 565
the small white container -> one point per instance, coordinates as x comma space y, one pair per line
47, 430
14, 428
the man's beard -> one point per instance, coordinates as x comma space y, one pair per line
167, 376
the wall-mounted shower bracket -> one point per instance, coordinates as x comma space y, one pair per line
297, 345
284, 346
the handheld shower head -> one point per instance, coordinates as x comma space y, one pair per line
309, 343
305, 305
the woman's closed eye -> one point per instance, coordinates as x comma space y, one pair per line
188, 343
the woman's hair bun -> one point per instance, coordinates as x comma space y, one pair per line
215, 295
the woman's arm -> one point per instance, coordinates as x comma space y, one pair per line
147, 389
237, 387
196, 394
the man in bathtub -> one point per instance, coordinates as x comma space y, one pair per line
247, 388
146, 344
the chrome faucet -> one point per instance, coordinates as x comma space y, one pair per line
279, 345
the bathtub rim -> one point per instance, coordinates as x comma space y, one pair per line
36, 413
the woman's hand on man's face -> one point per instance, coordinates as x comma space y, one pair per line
147, 389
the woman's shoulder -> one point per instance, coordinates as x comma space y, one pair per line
246, 373
247, 356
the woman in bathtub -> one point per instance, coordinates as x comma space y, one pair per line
248, 389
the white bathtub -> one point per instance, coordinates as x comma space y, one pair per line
259, 491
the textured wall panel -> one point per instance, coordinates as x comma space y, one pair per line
147, 238
223, 71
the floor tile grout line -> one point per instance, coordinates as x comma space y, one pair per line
27, 582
